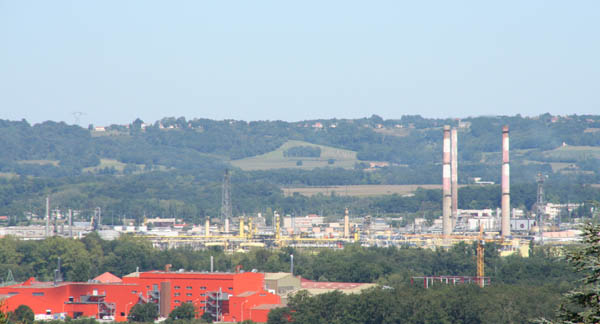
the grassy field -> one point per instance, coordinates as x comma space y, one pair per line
360, 190
40, 162
276, 160
400, 132
8, 175
119, 166
107, 163
573, 153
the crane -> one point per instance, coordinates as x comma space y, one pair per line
480, 257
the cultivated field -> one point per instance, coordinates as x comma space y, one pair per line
360, 190
117, 165
40, 162
573, 153
276, 160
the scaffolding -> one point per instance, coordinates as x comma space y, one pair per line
217, 304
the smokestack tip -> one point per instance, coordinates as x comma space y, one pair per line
505, 129
446, 127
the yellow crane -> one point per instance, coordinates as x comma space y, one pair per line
480, 259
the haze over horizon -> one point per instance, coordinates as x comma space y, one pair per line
116, 61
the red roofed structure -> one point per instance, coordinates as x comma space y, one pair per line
108, 277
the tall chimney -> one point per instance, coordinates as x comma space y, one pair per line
207, 228
446, 198
454, 177
47, 216
346, 224
227, 225
505, 184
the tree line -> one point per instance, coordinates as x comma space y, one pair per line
521, 288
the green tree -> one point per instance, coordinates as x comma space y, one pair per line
184, 311
206, 317
582, 305
3, 315
147, 312
22, 315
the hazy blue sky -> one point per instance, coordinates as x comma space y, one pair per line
256, 60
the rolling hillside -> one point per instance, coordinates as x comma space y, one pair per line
276, 159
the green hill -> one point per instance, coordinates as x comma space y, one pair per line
276, 159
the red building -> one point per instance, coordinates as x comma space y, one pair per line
226, 296
75, 299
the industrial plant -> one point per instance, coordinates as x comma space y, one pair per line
506, 226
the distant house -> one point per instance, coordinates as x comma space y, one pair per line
100, 129
464, 124
379, 164
317, 125
477, 180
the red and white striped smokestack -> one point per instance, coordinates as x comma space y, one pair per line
505, 184
446, 192
454, 174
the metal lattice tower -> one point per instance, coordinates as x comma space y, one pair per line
226, 197
539, 203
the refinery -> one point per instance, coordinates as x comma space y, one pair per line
509, 227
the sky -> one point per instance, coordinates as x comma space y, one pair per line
110, 62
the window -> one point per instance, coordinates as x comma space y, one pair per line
37, 293
230, 288
177, 287
177, 301
188, 301
155, 287
134, 291
202, 288
202, 295
122, 313
13, 293
189, 294
203, 301
188, 287
177, 294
